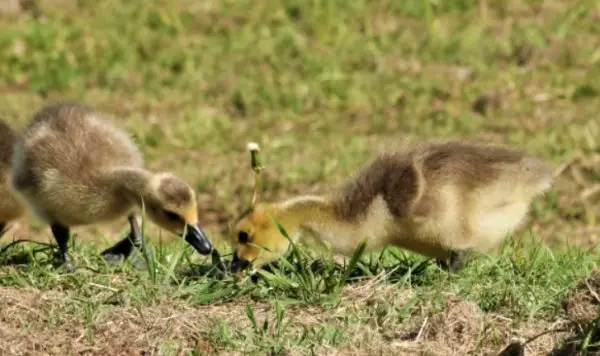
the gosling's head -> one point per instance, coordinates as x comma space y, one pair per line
256, 240
171, 204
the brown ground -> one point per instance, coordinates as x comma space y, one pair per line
35, 322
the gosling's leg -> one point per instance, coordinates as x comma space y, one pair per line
136, 237
122, 249
2, 228
61, 235
456, 261
119, 251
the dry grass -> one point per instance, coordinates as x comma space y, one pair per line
36, 322
583, 303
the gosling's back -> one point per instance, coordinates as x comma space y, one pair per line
409, 179
71, 139
61, 160
479, 193
473, 166
446, 195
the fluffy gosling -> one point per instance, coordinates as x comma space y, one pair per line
439, 199
73, 167
10, 206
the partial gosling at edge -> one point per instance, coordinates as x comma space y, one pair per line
73, 167
11, 207
439, 199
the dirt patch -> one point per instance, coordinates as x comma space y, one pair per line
36, 322
454, 330
458, 324
383, 319
583, 303
460, 327
573, 345
373, 292
56, 322
41, 322
565, 336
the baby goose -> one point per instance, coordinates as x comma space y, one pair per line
72, 167
439, 199
10, 207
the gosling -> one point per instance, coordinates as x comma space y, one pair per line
10, 206
438, 199
72, 167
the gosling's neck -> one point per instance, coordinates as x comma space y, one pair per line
312, 218
132, 183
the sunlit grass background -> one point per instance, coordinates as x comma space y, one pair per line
321, 86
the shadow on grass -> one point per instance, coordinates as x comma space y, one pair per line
301, 277
22, 257
219, 268
290, 266
584, 342
307, 280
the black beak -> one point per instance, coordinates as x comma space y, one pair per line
196, 237
238, 264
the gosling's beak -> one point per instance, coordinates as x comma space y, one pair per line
238, 263
196, 237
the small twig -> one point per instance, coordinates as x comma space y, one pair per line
517, 346
586, 230
503, 318
384, 275
31, 310
590, 192
550, 331
422, 329
560, 169
592, 291
103, 287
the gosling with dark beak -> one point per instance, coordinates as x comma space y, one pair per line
197, 238
238, 264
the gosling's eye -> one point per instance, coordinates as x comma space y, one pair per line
243, 237
171, 216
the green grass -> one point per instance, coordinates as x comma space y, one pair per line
384, 295
321, 86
